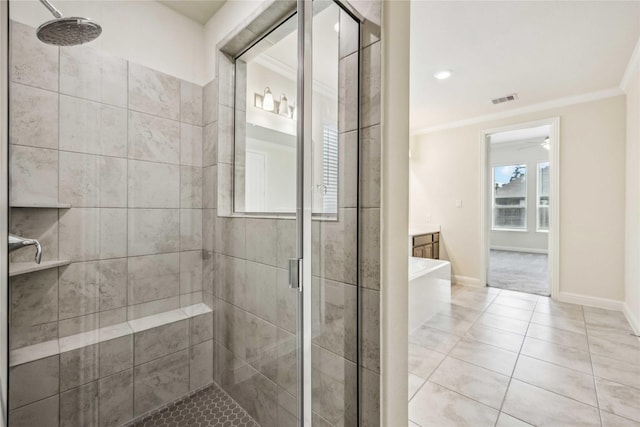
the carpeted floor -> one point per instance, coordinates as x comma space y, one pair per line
519, 271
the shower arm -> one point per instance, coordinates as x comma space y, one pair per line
51, 8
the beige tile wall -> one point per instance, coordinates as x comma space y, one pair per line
121, 144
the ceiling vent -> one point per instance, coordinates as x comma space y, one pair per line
505, 98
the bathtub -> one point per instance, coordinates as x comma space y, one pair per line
429, 289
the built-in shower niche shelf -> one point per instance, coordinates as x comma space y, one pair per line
41, 205
18, 268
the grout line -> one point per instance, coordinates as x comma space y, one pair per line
593, 373
127, 312
597, 407
101, 102
447, 355
555, 392
515, 365
59, 212
554, 364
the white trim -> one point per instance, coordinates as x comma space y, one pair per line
553, 232
514, 249
511, 230
589, 301
486, 217
634, 62
466, 281
547, 105
279, 67
631, 318
538, 206
394, 224
554, 199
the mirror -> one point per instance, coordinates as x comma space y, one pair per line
266, 118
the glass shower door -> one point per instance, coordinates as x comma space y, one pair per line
332, 334
296, 166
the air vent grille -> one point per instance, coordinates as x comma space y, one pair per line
505, 98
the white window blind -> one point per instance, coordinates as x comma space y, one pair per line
330, 170
510, 197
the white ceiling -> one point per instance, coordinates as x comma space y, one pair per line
528, 134
325, 48
198, 10
541, 50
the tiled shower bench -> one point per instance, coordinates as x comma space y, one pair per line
110, 375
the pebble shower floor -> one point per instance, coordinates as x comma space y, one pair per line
211, 407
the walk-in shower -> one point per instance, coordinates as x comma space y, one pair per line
209, 233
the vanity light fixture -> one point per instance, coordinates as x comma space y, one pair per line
442, 75
336, 27
267, 102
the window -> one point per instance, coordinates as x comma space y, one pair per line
510, 197
330, 170
543, 197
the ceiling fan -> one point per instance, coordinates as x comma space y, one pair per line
546, 144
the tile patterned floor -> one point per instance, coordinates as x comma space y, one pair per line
519, 271
503, 358
211, 407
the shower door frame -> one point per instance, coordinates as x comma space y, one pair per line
304, 208
4, 210
304, 197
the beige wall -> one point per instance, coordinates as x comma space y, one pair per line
145, 32
632, 249
230, 16
445, 167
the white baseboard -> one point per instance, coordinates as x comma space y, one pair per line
608, 304
527, 250
466, 281
631, 318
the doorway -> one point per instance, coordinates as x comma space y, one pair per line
520, 205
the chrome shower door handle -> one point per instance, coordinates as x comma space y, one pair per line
17, 242
295, 270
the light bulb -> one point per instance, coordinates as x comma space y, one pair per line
267, 100
283, 108
442, 75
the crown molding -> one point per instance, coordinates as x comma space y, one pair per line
547, 105
286, 71
633, 65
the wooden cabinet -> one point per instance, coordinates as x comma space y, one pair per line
426, 245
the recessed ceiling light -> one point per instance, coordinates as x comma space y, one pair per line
442, 75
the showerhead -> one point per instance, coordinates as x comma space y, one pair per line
67, 31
